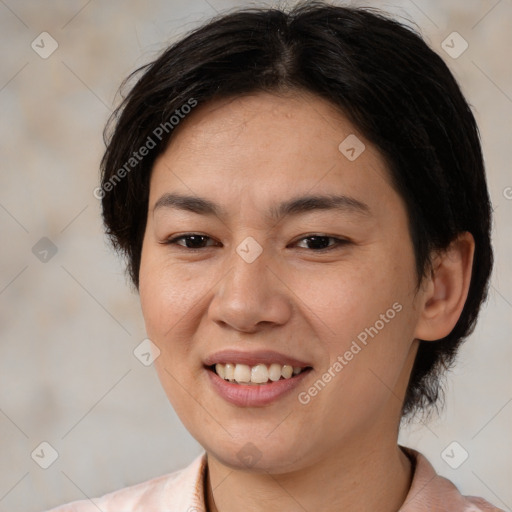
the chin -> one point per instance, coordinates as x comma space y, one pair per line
258, 455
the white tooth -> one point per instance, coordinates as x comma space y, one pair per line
221, 371
287, 371
274, 372
259, 374
229, 371
242, 373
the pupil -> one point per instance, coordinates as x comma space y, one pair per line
316, 239
196, 238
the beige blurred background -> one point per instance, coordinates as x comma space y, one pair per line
68, 375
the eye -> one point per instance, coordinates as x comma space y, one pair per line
191, 240
318, 242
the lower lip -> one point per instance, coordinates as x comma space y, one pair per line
256, 395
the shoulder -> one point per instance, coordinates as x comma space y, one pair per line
432, 492
172, 492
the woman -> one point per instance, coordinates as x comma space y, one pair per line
302, 201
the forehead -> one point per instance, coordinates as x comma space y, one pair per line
264, 126
267, 146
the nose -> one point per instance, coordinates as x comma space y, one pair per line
251, 295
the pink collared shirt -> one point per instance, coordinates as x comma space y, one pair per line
182, 491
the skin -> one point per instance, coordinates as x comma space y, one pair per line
339, 451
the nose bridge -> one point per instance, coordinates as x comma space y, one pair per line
249, 267
249, 293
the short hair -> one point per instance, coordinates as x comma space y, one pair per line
380, 74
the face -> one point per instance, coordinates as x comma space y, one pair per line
248, 274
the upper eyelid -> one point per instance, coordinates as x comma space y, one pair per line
170, 239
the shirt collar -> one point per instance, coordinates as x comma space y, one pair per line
191, 483
428, 492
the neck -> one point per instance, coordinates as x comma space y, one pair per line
369, 476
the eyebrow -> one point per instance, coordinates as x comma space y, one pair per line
294, 206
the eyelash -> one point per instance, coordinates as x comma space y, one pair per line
338, 241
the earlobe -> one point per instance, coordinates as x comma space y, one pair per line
446, 289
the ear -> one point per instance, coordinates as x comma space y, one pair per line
446, 289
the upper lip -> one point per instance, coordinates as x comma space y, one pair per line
252, 358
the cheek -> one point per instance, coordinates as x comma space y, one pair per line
166, 295
366, 317
351, 297
167, 300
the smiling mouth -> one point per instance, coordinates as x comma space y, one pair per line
256, 375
